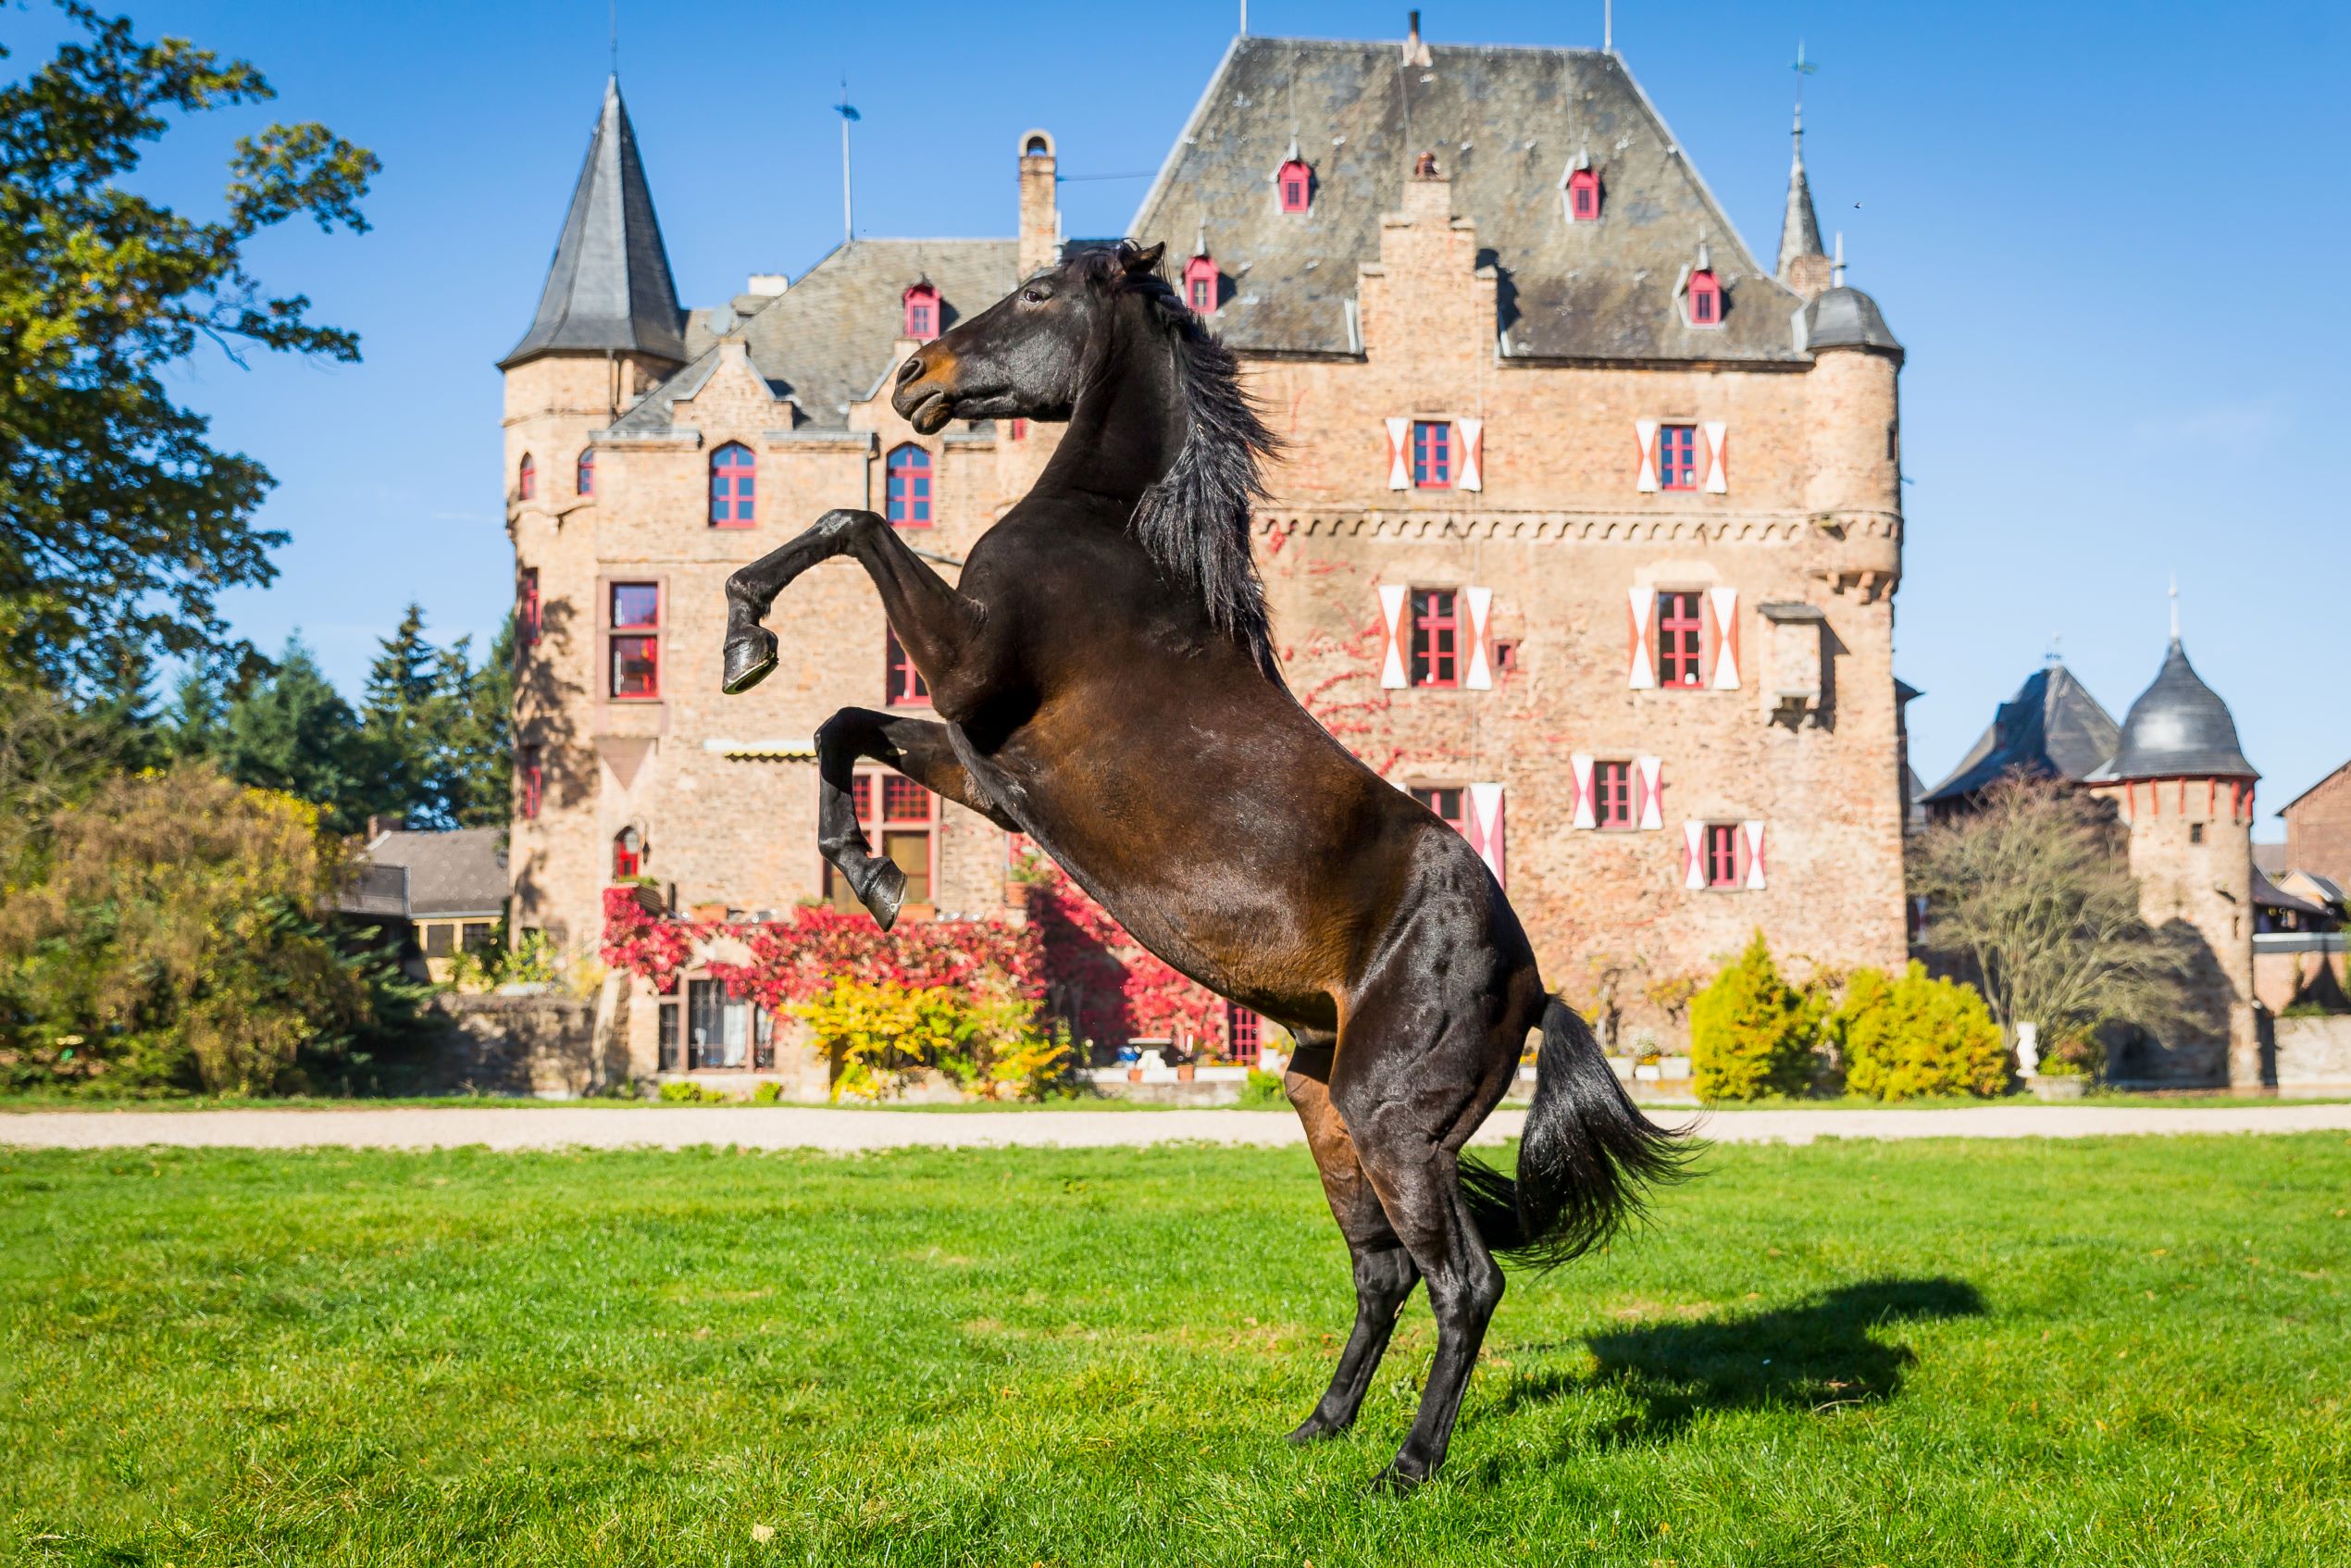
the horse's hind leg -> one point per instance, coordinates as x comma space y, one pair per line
1385, 1273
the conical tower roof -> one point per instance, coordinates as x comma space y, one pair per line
2178, 729
609, 286
1801, 227
2051, 729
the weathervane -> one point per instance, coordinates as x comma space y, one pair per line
1803, 67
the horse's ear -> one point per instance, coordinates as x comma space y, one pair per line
1140, 258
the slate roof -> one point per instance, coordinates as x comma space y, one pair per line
1504, 123
459, 872
609, 285
2269, 895
2051, 729
1845, 318
1800, 227
826, 340
2178, 729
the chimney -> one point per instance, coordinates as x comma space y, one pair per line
1041, 237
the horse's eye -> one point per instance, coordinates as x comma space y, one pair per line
1035, 296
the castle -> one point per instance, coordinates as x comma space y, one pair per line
1588, 531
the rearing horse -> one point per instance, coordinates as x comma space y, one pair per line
1105, 683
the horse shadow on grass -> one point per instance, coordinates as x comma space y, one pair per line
1818, 1355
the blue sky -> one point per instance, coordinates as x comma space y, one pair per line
2109, 234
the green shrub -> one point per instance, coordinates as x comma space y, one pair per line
1916, 1036
1263, 1092
767, 1094
1751, 1032
880, 1034
679, 1092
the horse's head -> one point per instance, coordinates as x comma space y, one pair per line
1023, 357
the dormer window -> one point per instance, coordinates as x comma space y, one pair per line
1294, 186
1583, 197
1703, 299
1201, 279
922, 313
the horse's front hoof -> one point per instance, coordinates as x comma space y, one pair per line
1314, 1429
751, 655
882, 896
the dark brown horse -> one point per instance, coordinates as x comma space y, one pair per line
1106, 685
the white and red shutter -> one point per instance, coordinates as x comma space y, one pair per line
1640, 671
1723, 602
1485, 827
1479, 675
1399, 454
1584, 816
1694, 855
1751, 842
1718, 462
1391, 609
1473, 435
1649, 773
1645, 432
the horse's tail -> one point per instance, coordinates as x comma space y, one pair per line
1584, 1162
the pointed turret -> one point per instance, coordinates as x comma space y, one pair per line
609, 286
1802, 267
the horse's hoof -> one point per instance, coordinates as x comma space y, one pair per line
1314, 1429
1395, 1481
751, 653
882, 896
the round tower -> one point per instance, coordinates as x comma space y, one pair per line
1854, 492
2181, 784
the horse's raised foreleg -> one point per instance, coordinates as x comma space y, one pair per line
934, 622
918, 748
1385, 1273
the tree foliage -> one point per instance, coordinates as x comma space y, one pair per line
2032, 896
1915, 1036
1752, 1033
119, 525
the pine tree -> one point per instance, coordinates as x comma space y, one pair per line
293, 731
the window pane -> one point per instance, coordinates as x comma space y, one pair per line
911, 850
440, 940
904, 800
636, 604
636, 666
665, 1040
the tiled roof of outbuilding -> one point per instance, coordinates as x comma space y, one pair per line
459, 872
827, 340
2051, 729
1503, 123
609, 285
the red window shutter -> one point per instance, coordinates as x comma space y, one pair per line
1479, 675
1645, 435
1694, 855
1400, 441
1473, 471
1723, 609
1649, 781
1391, 608
1585, 817
1640, 668
1751, 855
1718, 475
1485, 828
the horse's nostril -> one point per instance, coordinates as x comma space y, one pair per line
911, 368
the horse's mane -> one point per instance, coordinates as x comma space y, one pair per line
1195, 523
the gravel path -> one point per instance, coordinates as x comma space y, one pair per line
848, 1131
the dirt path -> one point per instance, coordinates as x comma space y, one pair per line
848, 1131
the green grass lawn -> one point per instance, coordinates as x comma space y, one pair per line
2113, 1351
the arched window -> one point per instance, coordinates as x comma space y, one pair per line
584, 479
922, 313
906, 488
734, 476
1583, 197
627, 855
1294, 185
526, 479
1705, 298
1199, 284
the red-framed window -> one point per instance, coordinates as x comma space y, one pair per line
527, 479
529, 782
905, 828
1722, 850
725, 1031
1680, 640
526, 614
1436, 637
1294, 185
1244, 1033
922, 313
634, 617
734, 481
627, 855
1450, 802
583, 478
1200, 285
1432, 454
1705, 300
1583, 196
1020, 430
903, 685
1612, 794
1677, 456
906, 486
